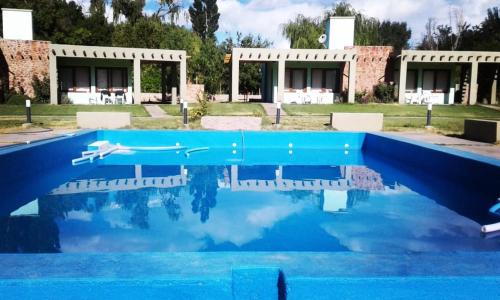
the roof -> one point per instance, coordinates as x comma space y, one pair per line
59, 50
450, 56
316, 55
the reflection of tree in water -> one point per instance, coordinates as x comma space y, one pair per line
203, 186
168, 197
29, 234
357, 195
58, 206
299, 195
137, 202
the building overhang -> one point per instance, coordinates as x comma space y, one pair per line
302, 55
75, 51
428, 56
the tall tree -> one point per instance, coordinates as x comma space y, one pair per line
204, 15
130, 9
303, 32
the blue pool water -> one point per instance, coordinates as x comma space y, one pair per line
247, 192
255, 215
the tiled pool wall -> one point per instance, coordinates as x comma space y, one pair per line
251, 275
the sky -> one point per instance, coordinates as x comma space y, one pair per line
265, 17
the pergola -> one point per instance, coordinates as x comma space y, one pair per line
137, 55
281, 56
474, 58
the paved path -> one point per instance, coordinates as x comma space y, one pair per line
270, 109
30, 135
231, 123
155, 111
486, 149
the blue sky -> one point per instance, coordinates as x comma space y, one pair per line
264, 17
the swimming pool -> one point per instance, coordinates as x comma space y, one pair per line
228, 214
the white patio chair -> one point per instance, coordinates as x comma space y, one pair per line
106, 97
120, 97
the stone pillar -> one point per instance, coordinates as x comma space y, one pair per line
351, 93
235, 77
493, 99
137, 81
93, 84
138, 171
183, 78
163, 68
281, 80
402, 81
53, 79
234, 177
473, 84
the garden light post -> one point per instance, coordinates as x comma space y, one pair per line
278, 113
185, 112
429, 115
28, 111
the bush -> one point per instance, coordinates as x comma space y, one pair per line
363, 97
41, 88
15, 98
201, 110
384, 92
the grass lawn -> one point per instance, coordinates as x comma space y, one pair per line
221, 109
393, 110
69, 110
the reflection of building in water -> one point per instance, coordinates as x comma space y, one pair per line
310, 178
121, 180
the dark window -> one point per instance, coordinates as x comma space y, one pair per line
111, 79
437, 81
295, 79
74, 79
411, 80
325, 79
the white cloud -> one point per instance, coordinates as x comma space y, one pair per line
263, 17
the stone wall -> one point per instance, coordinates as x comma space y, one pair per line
373, 66
193, 90
23, 59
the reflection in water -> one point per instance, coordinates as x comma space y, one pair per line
236, 208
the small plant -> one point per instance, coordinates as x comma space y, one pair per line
65, 99
384, 92
41, 88
201, 110
17, 98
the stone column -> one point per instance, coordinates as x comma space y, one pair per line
281, 80
473, 84
351, 94
137, 81
163, 68
402, 81
53, 79
183, 78
235, 77
493, 99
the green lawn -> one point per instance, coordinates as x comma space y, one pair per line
221, 109
454, 111
70, 109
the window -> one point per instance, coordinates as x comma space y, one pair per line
295, 79
437, 81
411, 80
325, 79
74, 79
111, 79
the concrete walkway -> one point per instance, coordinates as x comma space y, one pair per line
155, 111
486, 149
30, 135
231, 123
270, 109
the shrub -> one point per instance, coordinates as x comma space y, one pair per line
201, 110
384, 92
41, 88
363, 97
17, 99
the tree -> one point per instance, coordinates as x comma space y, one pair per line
130, 9
395, 34
208, 67
170, 8
303, 32
204, 15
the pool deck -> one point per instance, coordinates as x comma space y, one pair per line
485, 149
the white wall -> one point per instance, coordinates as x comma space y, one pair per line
340, 33
17, 24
